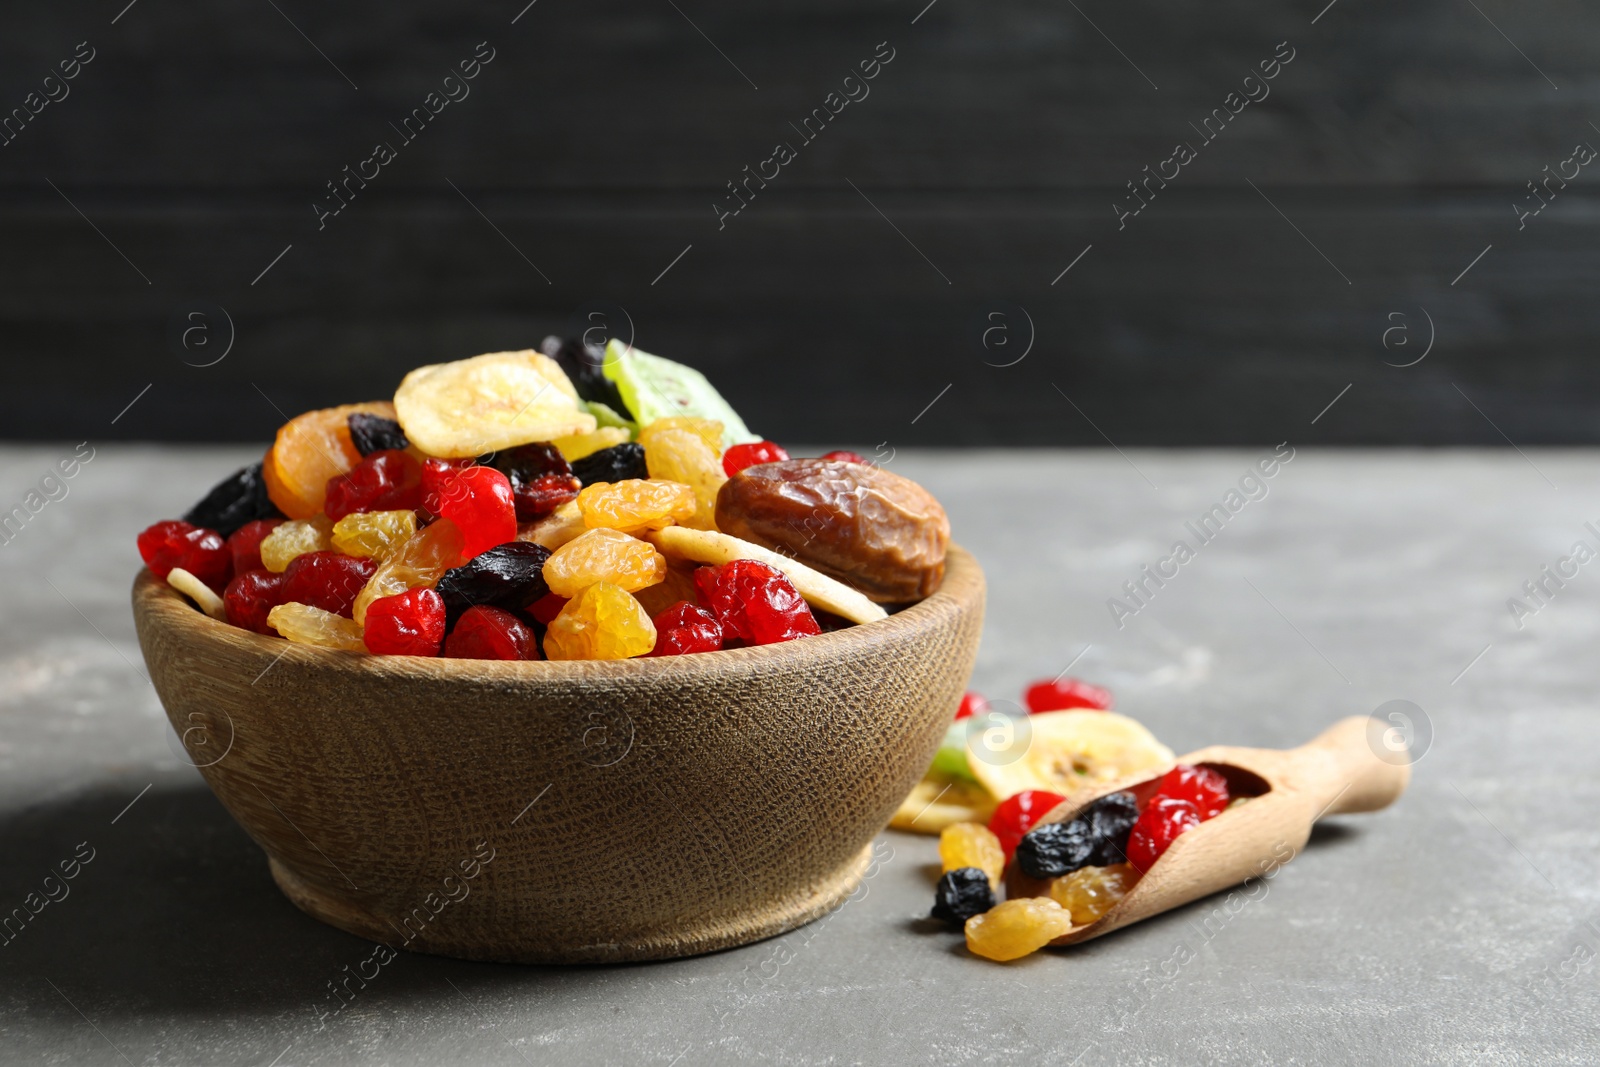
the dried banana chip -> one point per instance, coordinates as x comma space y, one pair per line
708, 546
489, 402
939, 801
1062, 751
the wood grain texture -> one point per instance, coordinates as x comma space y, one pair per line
1338, 772
637, 810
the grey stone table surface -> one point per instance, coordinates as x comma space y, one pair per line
1460, 925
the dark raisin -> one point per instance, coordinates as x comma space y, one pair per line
538, 498
528, 462
1110, 819
1055, 849
374, 433
583, 364
541, 479
508, 576
237, 499
961, 894
615, 464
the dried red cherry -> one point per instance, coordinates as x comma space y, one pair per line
1203, 787
388, 480
547, 608
1062, 693
1016, 815
437, 474
1162, 820
685, 628
479, 501
971, 704
199, 551
739, 457
326, 580
408, 624
755, 603
250, 596
244, 544
490, 633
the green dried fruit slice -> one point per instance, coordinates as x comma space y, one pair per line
656, 388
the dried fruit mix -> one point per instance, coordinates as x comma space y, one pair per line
501, 505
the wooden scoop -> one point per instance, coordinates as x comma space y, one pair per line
1337, 773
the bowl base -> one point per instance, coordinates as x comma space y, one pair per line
691, 939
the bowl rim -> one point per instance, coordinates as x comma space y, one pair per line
962, 590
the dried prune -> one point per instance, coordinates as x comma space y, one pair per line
876, 531
618, 463
584, 364
1110, 819
374, 433
961, 894
239, 498
509, 576
1098, 836
1055, 849
527, 462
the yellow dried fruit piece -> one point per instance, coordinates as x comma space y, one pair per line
966, 844
374, 534
420, 561
688, 451
940, 800
488, 403
587, 444
604, 556
307, 625
1016, 928
602, 622
708, 430
1065, 751
296, 538
1089, 892
635, 504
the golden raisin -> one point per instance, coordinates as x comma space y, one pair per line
603, 556
291, 539
1012, 930
966, 844
307, 625
374, 534
688, 451
635, 504
1089, 892
602, 622
420, 561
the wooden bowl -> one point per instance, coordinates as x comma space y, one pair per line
568, 812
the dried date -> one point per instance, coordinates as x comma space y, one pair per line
874, 530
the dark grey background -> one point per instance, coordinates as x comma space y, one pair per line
997, 141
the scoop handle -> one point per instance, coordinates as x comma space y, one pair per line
1350, 768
